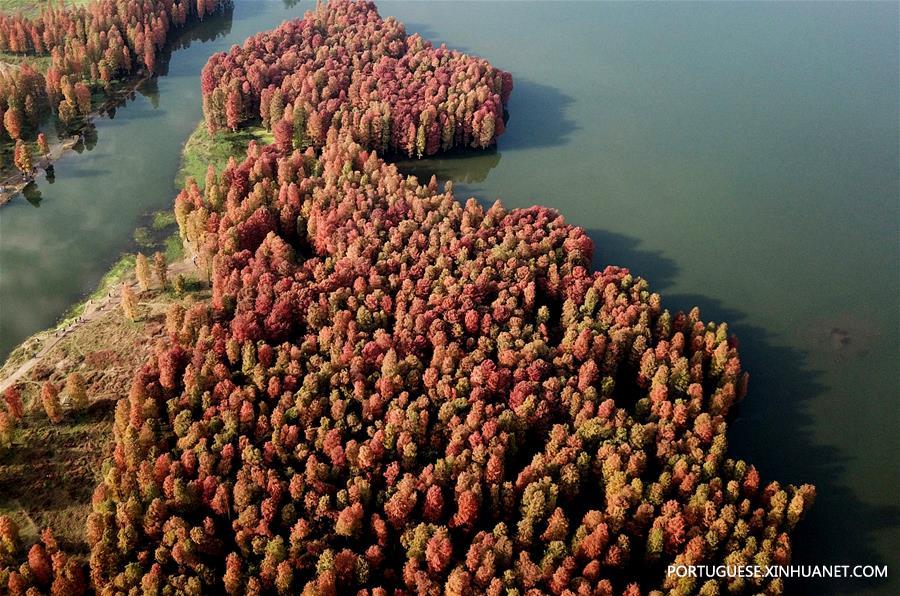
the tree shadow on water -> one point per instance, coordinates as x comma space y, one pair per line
461, 166
149, 88
611, 248
774, 430
536, 116
210, 28
427, 32
433, 36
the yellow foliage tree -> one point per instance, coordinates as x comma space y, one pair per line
129, 302
7, 424
162, 269
76, 389
50, 399
142, 272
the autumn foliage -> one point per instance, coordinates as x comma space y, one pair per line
46, 568
13, 398
342, 66
50, 401
89, 47
395, 392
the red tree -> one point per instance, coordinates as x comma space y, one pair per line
14, 402
12, 121
42, 144
233, 110
284, 135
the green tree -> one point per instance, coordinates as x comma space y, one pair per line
276, 108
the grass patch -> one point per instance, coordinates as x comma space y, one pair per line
32, 8
174, 248
116, 274
163, 219
39, 63
201, 149
50, 472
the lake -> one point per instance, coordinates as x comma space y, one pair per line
742, 157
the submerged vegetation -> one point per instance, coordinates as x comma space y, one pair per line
392, 391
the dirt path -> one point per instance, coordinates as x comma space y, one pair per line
92, 311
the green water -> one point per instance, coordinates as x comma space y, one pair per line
55, 246
741, 156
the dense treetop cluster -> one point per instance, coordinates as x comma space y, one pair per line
47, 568
343, 66
89, 47
395, 392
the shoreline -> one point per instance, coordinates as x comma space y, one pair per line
197, 147
11, 181
79, 314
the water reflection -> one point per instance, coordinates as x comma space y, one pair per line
210, 29
205, 31
87, 138
149, 88
32, 194
464, 167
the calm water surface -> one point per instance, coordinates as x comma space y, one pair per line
54, 251
742, 157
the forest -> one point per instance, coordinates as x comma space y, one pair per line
346, 68
391, 390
